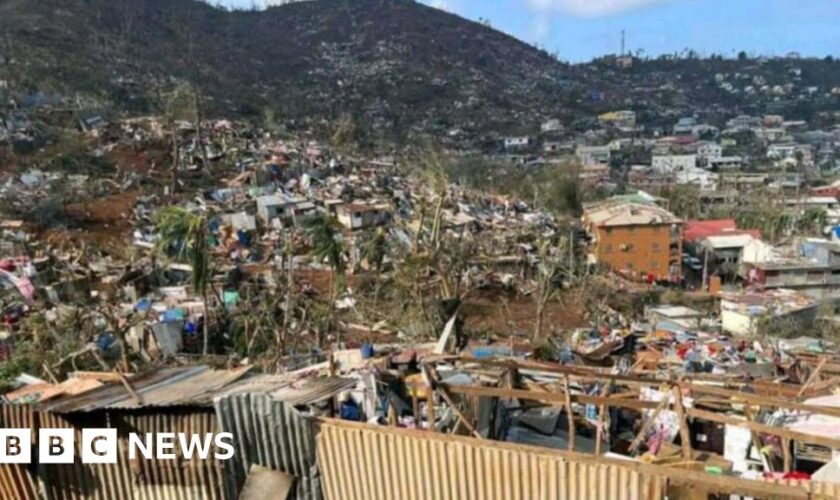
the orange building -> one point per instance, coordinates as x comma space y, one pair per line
636, 239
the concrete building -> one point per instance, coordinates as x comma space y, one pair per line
359, 216
755, 313
667, 164
636, 239
589, 155
273, 206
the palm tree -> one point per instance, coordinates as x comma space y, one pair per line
374, 251
328, 244
184, 235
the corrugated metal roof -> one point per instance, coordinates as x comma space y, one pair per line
182, 386
295, 391
312, 390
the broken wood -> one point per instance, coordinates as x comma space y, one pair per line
602, 409
569, 413
763, 428
813, 378
649, 422
685, 435
125, 382
444, 394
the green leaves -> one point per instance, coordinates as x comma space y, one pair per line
184, 236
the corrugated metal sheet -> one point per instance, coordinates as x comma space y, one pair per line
366, 462
272, 434
190, 386
177, 479
17, 481
312, 390
291, 389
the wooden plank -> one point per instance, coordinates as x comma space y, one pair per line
761, 400
649, 422
567, 399
550, 397
685, 436
442, 390
766, 429
786, 454
602, 409
813, 378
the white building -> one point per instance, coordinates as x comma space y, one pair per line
668, 164
706, 150
702, 179
517, 142
725, 163
272, 207
552, 125
589, 155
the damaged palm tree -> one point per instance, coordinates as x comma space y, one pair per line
185, 236
327, 245
375, 250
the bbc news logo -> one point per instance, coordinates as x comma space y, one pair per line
99, 446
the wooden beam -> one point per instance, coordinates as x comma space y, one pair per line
685, 435
430, 410
550, 397
570, 415
786, 454
765, 429
766, 401
131, 391
442, 390
602, 409
649, 422
813, 378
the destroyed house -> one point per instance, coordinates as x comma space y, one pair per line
754, 313
271, 207
362, 216
264, 413
813, 270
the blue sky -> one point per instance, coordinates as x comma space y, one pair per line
578, 30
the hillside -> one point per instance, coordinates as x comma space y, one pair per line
397, 67
393, 64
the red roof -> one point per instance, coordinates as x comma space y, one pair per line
699, 229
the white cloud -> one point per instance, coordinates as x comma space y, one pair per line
589, 8
540, 29
447, 5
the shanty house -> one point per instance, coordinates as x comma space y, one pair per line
359, 216
272, 207
262, 412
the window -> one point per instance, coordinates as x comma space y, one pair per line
654, 265
657, 247
629, 265
628, 247
608, 248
